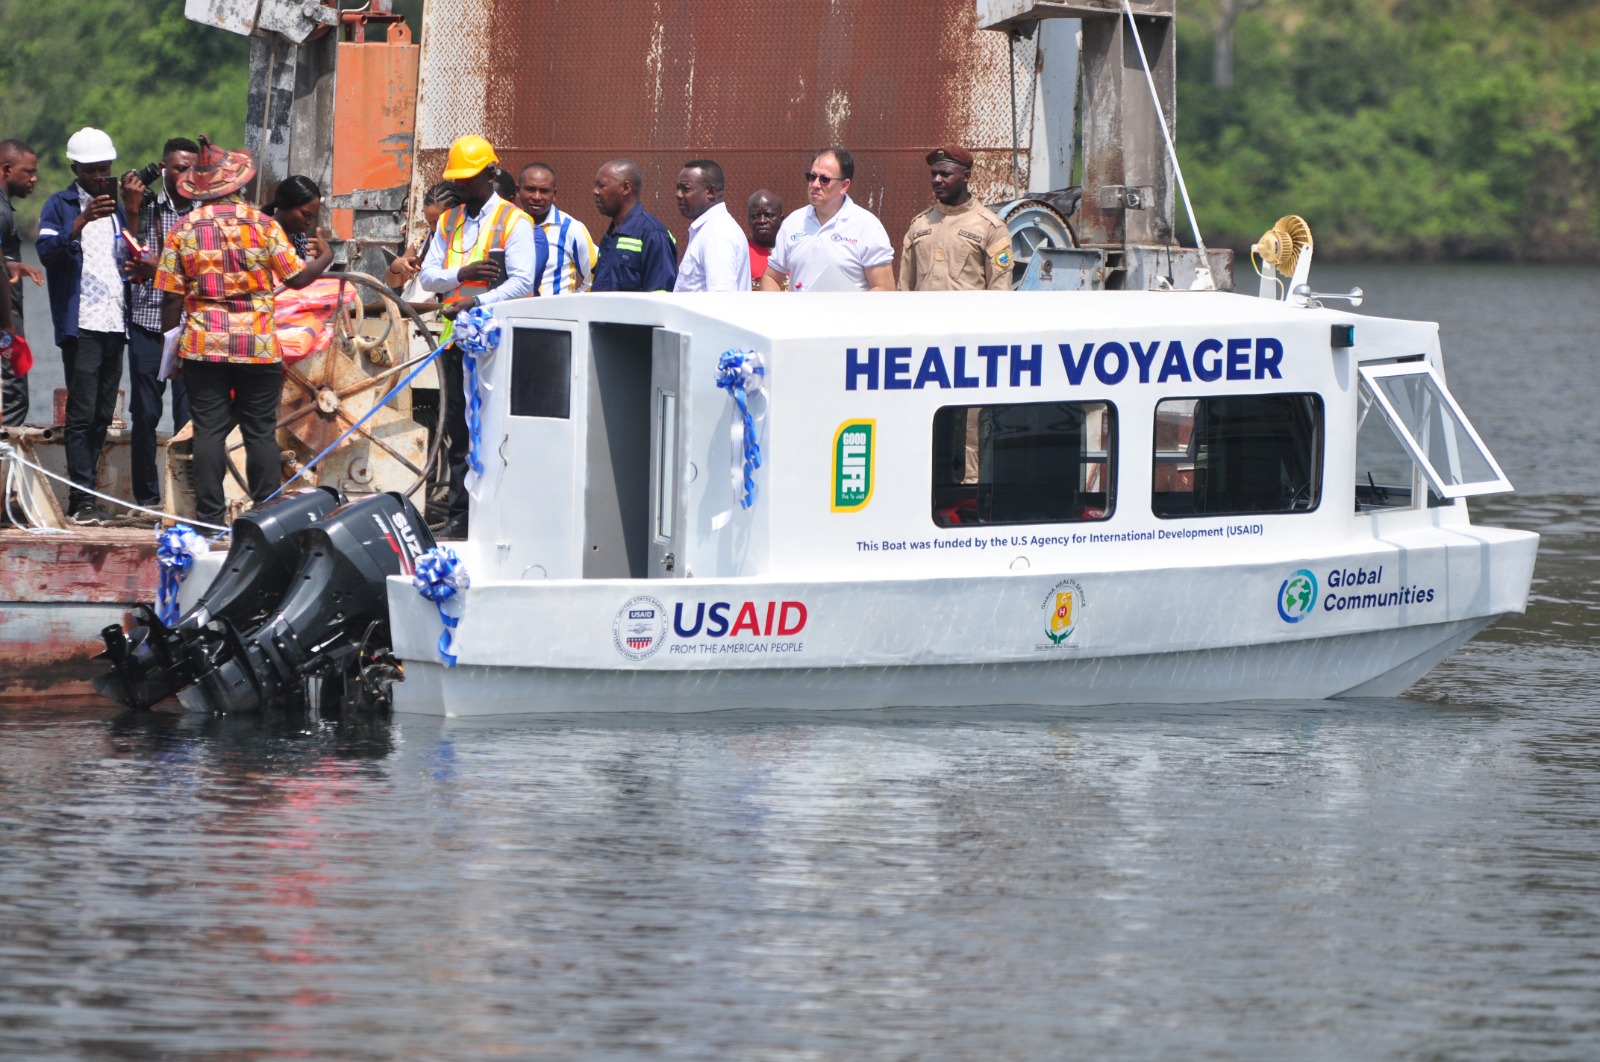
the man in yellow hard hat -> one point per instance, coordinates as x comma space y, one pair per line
485, 251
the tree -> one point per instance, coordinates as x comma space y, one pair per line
1219, 17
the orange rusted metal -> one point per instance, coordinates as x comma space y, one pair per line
755, 85
375, 117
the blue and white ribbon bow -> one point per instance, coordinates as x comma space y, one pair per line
477, 335
439, 575
742, 374
176, 549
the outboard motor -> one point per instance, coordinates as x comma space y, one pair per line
331, 628
150, 662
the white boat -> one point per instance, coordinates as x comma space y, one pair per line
1060, 495
1054, 498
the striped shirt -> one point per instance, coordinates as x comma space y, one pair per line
570, 266
225, 259
156, 222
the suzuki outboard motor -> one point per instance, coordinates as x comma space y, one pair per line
333, 621
150, 662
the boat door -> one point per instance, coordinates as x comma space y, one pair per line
530, 434
633, 501
669, 358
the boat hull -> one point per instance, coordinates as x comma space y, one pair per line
57, 592
1368, 624
1376, 664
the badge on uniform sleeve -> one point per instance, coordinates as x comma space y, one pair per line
1002, 258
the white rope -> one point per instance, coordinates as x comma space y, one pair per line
34, 525
1172, 152
9, 452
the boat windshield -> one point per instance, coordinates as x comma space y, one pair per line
1433, 429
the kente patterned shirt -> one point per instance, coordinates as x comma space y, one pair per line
225, 259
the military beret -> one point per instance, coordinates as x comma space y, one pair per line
951, 153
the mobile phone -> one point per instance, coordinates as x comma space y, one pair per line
134, 246
498, 258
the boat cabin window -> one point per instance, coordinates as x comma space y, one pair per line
1031, 463
1237, 455
1431, 427
541, 373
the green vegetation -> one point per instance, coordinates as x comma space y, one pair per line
138, 70
1397, 128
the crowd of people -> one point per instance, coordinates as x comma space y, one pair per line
177, 253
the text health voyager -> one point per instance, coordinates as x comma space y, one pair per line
1027, 365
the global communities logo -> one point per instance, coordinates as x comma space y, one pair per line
1297, 596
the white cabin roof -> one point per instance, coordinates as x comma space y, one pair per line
820, 315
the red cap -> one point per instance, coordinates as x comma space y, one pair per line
951, 153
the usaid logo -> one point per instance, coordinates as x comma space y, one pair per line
640, 628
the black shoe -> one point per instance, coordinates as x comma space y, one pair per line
456, 528
90, 515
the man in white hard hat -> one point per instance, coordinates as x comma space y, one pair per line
81, 246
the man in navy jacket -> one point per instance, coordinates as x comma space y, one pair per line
637, 252
80, 244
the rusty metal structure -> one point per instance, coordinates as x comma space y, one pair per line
342, 94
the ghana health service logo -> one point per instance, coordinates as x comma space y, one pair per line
1062, 613
640, 628
1297, 596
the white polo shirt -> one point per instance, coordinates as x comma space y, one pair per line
852, 242
718, 255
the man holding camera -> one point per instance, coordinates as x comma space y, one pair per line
158, 215
81, 246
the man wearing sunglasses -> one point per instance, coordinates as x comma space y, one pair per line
833, 244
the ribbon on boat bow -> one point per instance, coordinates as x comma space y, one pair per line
477, 335
742, 374
439, 575
176, 549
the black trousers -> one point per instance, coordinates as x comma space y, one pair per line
144, 407
256, 391
454, 398
94, 370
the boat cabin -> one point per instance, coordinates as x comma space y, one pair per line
963, 433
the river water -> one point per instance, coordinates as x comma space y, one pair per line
1411, 879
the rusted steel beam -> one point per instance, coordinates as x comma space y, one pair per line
1128, 182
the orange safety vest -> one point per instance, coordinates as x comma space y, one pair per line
492, 236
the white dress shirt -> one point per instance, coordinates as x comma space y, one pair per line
718, 255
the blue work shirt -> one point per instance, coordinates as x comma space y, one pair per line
638, 254
62, 258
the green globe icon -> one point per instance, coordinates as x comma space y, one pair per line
1299, 595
